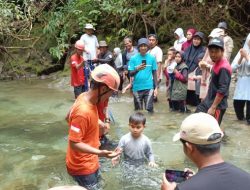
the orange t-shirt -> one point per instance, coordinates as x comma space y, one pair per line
83, 127
77, 75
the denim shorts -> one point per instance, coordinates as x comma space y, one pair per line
90, 182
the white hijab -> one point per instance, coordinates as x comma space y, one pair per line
118, 58
243, 68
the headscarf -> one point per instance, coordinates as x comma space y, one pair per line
178, 43
188, 43
243, 68
191, 54
118, 58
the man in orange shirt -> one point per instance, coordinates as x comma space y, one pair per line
76, 65
83, 145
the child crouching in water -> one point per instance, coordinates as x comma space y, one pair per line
136, 147
179, 89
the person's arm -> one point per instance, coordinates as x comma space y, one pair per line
83, 147
183, 77
216, 102
77, 66
224, 83
159, 56
137, 69
119, 148
107, 59
155, 78
149, 155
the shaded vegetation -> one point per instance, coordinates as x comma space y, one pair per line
36, 34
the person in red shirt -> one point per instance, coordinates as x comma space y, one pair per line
76, 65
83, 141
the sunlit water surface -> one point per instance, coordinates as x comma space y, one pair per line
33, 138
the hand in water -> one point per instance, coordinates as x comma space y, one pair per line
152, 164
116, 159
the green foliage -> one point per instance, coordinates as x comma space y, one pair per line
62, 21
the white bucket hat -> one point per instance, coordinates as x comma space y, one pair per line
89, 26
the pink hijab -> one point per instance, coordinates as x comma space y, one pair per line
186, 44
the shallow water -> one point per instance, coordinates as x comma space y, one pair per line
33, 133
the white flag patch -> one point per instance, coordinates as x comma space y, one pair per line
73, 128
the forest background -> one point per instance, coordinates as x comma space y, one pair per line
37, 36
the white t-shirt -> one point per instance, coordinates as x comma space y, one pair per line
157, 52
91, 44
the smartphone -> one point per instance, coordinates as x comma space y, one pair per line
176, 175
143, 62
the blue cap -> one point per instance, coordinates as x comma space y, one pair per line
142, 41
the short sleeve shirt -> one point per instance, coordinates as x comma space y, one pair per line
222, 176
83, 127
143, 80
157, 52
91, 44
77, 75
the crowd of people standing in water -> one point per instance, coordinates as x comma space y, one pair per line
196, 74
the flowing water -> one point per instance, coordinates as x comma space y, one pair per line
33, 138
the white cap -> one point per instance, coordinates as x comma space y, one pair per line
200, 128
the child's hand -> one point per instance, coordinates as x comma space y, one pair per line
115, 161
152, 164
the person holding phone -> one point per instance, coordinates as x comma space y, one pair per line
201, 135
143, 68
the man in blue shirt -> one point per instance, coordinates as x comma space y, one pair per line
143, 68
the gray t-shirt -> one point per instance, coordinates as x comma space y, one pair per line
136, 148
221, 176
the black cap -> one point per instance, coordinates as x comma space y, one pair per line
216, 42
199, 34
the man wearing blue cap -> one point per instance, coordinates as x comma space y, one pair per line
143, 68
215, 102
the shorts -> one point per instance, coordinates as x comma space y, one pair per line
145, 97
90, 182
219, 113
78, 90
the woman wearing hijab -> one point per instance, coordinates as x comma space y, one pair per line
241, 64
191, 55
180, 39
190, 34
